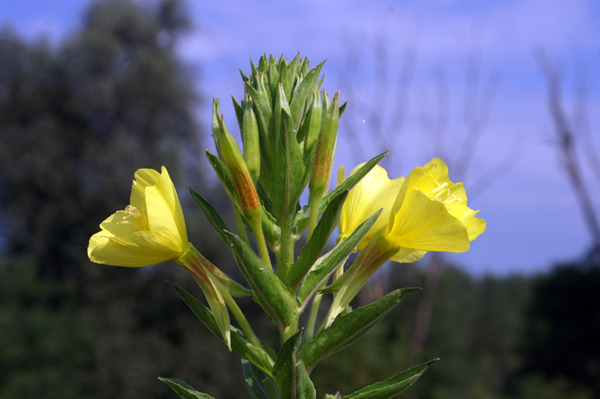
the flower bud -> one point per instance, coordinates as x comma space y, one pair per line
233, 158
312, 125
215, 127
321, 172
250, 139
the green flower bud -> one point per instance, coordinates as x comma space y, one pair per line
250, 139
215, 127
321, 172
312, 124
232, 156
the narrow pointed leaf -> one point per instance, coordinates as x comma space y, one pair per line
284, 370
304, 385
391, 387
254, 380
239, 112
320, 274
349, 328
299, 99
343, 108
211, 215
271, 389
183, 389
239, 343
290, 374
311, 252
244, 77
301, 220
264, 115
267, 290
224, 176
288, 165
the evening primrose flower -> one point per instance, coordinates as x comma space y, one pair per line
430, 213
425, 212
150, 230
374, 192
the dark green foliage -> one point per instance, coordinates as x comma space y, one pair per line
76, 121
475, 331
563, 330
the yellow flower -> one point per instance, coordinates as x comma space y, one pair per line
425, 212
150, 230
373, 192
430, 213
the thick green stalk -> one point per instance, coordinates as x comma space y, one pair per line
286, 251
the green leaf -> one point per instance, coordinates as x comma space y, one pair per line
267, 290
288, 165
239, 112
270, 228
254, 380
290, 374
183, 389
304, 385
349, 328
244, 77
301, 220
393, 386
311, 252
290, 76
212, 215
264, 115
299, 98
239, 343
273, 74
343, 108
321, 273
224, 176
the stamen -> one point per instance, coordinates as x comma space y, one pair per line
140, 223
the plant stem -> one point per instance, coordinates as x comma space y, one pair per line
286, 250
237, 313
241, 226
260, 241
312, 318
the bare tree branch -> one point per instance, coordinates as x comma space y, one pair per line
566, 146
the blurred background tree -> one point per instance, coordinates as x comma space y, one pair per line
79, 119
76, 120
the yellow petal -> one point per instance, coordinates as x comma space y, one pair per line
149, 231
373, 192
475, 226
341, 176
117, 224
137, 249
425, 224
407, 255
143, 179
164, 212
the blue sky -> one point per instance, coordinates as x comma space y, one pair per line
532, 215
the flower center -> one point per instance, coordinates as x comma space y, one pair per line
136, 219
444, 194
